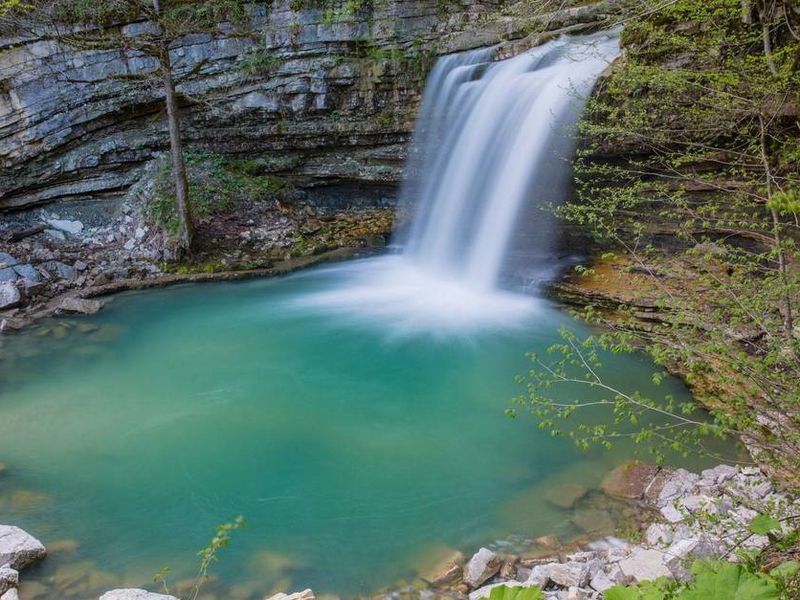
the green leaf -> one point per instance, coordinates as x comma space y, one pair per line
764, 524
503, 592
786, 570
729, 581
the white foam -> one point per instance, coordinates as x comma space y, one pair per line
406, 299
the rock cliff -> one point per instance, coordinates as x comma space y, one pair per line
329, 100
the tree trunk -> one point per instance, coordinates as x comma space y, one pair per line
788, 317
182, 203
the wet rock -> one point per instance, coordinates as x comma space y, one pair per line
447, 571
18, 548
306, 594
594, 521
483, 565
134, 594
629, 480
9, 579
81, 306
10, 296
8, 274
565, 495
644, 564
65, 546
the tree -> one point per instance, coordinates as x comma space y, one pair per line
96, 25
690, 178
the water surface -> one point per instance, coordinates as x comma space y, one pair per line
355, 443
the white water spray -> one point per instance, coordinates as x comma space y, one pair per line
492, 138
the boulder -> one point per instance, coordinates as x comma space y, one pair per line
9, 579
570, 574
645, 564
483, 565
134, 594
59, 270
683, 552
601, 582
80, 306
629, 480
28, 273
486, 590
8, 274
540, 575
447, 571
565, 495
10, 296
11, 594
18, 548
6, 260
306, 594
71, 227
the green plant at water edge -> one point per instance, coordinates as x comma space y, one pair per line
504, 592
208, 556
716, 580
661, 424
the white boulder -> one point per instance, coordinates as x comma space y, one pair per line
18, 548
134, 594
483, 565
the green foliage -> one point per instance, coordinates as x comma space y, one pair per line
504, 592
714, 580
764, 525
207, 555
260, 62
702, 203
216, 184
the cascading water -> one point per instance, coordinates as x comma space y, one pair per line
489, 136
492, 137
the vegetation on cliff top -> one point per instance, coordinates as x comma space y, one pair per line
692, 173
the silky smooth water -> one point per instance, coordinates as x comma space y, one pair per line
355, 447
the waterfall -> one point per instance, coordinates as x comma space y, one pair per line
492, 137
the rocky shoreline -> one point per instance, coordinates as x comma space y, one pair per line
687, 516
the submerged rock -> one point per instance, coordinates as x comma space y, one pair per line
134, 594
483, 565
18, 548
306, 594
630, 480
80, 306
565, 495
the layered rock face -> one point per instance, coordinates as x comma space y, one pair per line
329, 100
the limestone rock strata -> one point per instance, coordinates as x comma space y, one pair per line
327, 99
